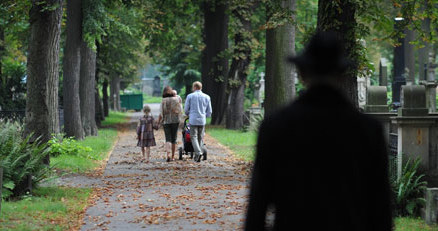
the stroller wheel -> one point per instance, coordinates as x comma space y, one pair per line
180, 153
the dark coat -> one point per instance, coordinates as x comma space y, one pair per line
321, 165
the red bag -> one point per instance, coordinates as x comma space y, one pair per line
188, 140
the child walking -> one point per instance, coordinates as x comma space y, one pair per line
145, 132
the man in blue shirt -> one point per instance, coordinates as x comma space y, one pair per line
198, 108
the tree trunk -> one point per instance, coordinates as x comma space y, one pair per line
410, 56
87, 90
2, 53
72, 60
2, 78
238, 71
42, 117
423, 53
105, 97
280, 75
339, 17
115, 93
215, 64
99, 116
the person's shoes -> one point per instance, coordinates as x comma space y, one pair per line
168, 159
197, 157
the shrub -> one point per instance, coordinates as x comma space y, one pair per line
409, 190
68, 146
22, 161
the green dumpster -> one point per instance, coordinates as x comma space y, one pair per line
132, 101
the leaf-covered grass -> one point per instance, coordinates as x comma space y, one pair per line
241, 143
100, 146
151, 99
115, 118
48, 209
412, 224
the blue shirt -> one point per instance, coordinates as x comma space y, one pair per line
198, 107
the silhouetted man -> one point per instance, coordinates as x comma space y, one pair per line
320, 164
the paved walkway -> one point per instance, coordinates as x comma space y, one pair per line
180, 195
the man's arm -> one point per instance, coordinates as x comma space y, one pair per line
261, 184
209, 110
187, 105
381, 218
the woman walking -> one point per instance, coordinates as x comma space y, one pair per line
170, 112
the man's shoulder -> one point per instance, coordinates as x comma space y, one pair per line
205, 95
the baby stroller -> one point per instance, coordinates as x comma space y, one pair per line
187, 148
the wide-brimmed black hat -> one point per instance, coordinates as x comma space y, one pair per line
323, 55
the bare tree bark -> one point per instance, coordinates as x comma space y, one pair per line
99, 115
280, 80
105, 97
410, 56
115, 92
238, 70
87, 90
340, 18
42, 119
72, 60
2, 53
215, 64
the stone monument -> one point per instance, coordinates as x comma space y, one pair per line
430, 83
383, 72
376, 99
362, 85
399, 78
157, 86
414, 127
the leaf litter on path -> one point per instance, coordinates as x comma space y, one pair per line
183, 195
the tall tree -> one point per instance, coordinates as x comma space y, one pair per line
115, 92
94, 22
214, 58
340, 17
2, 52
87, 90
42, 118
280, 43
72, 63
105, 98
241, 59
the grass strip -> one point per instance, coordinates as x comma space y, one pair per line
50, 208
413, 224
240, 142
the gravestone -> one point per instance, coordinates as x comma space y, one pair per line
414, 128
148, 86
413, 101
383, 72
262, 88
431, 206
157, 86
362, 85
399, 66
430, 83
376, 99
257, 92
